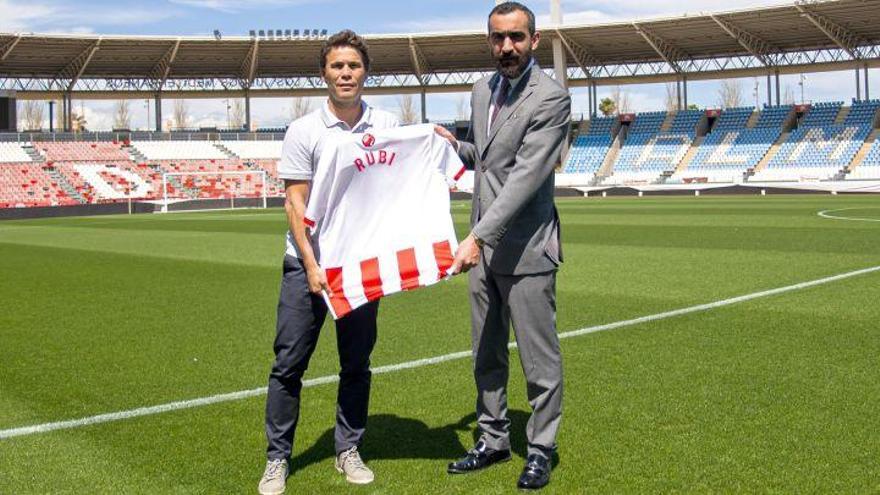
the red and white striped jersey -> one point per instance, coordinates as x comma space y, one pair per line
379, 204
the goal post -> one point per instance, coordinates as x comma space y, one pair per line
220, 190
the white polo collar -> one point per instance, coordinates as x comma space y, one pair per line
331, 120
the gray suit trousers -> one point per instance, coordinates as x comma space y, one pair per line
529, 302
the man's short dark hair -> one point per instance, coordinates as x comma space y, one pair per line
509, 7
343, 38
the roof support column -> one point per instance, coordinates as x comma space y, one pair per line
678, 94
595, 99
867, 87
419, 66
62, 114
158, 112
51, 116
684, 83
858, 85
560, 63
590, 100
68, 113
769, 90
778, 94
247, 110
590, 89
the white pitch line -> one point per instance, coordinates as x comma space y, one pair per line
244, 394
827, 214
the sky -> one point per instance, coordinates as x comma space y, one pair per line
237, 17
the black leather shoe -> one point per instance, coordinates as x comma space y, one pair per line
479, 458
536, 473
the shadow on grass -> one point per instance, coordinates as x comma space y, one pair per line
392, 437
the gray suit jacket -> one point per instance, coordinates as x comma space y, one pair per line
513, 209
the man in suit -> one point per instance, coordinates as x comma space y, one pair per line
519, 120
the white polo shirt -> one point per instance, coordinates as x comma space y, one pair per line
307, 135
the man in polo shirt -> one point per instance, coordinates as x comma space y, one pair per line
301, 309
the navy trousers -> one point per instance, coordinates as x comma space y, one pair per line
300, 317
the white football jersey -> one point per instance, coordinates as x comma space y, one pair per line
379, 205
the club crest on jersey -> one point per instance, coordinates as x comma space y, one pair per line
370, 158
368, 140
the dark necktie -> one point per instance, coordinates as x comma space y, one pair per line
500, 98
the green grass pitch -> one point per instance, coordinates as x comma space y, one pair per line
778, 394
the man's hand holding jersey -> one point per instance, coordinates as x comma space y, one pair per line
467, 255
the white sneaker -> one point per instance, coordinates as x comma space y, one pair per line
351, 464
274, 478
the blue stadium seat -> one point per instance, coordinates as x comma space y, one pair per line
733, 118
870, 167
821, 114
587, 153
686, 120
815, 151
862, 112
602, 125
733, 150
646, 155
773, 116
648, 122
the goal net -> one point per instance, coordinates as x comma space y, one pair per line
191, 191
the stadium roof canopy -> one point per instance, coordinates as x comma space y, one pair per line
804, 36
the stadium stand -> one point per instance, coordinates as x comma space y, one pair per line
179, 150
602, 125
773, 116
215, 187
646, 156
28, 185
252, 149
821, 114
588, 150
276, 185
870, 167
13, 152
726, 155
47, 169
648, 122
587, 153
81, 151
815, 153
733, 118
862, 112
686, 121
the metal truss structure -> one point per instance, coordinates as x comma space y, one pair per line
805, 36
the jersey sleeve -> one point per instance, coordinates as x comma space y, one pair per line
447, 159
322, 184
296, 157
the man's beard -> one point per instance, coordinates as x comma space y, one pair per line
513, 66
